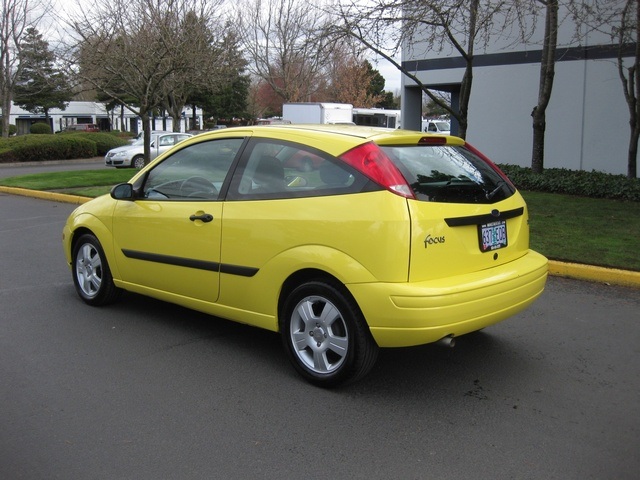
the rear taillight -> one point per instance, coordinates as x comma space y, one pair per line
433, 141
371, 161
483, 157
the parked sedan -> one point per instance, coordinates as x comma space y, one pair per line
393, 239
133, 155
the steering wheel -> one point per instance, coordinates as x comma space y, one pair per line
198, 187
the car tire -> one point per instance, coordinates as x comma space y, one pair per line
137, 162
91, 274
325, 335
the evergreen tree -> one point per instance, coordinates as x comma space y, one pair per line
377, 81
40, 85
228, 99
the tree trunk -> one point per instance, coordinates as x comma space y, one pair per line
630, 78
146, 131
6, 112
547, 72
465, 94
632, 160
539, 127
467, 78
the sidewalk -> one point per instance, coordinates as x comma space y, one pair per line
607, 276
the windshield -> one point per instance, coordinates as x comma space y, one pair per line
448, 174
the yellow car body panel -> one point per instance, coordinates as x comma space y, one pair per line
416, 313
94, 217
365, 242
440, 251
156, 242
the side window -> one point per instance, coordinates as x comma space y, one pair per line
167, 140
432, 127
278, 169
196, 172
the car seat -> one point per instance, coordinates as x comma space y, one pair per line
269, 176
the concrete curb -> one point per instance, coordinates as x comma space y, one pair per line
56, 197
608, 276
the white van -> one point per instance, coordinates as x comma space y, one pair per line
442, 127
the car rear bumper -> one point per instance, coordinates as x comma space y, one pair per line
409, 314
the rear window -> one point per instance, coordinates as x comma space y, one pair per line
448, 174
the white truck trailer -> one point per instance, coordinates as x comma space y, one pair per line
318, 112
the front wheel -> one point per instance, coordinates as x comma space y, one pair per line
91, 274
325, 335
138, 162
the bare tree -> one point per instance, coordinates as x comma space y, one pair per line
136, 52
461, 26
17, 16
286, 44
547, 73
627, 34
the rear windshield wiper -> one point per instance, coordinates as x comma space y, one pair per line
492, 193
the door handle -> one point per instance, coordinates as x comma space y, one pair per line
205, 217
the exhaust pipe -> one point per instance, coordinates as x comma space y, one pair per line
448, 342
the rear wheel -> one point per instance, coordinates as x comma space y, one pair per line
325, 334
91, 274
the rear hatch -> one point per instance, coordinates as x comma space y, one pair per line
466, 215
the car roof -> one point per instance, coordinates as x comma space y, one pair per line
357, 133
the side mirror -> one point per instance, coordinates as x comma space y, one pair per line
122, 191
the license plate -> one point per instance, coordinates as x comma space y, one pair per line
492, 235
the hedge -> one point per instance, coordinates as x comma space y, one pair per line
575, 182
104, 141
30, 148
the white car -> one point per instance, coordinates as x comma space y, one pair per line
133, 155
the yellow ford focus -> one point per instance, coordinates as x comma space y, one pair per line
344, 239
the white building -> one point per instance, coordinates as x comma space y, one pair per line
95, 112
587, 117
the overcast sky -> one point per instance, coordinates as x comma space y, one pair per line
391, 75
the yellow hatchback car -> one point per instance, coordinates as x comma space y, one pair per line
342, 238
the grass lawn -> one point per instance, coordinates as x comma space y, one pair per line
72, 181
563, 227
585, 230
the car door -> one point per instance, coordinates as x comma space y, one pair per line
164, 142
168, 239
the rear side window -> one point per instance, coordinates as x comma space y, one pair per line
278, 169
448, 174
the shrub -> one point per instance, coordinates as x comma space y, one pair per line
40, 129
575, 182
120, 134
104, 141
30, 148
